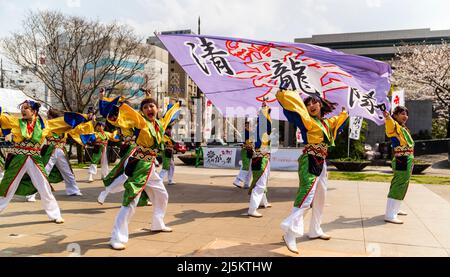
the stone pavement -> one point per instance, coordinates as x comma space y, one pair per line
205, 210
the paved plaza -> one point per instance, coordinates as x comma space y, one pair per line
206, 212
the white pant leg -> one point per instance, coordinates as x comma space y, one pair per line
4, 201
31, 198
117, 185
392, 208
120, 228
158, 195
64, 168
258, 190
42, 185
240, 177
104, 163
171, 170
92, 169
318, 203
1, 174
264, 201
294, 222
163, 174
248, 177
51, 162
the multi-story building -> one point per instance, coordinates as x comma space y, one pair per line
383, 46
377, 45
181, 86
15, 77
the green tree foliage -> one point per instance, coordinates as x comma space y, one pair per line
340, 150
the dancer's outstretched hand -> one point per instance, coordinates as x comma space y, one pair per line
101, 93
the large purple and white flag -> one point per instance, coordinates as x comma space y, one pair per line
238, 74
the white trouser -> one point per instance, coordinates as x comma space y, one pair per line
1, 174
169, 173
258, 192
104, 165
40, 182
392, 208
59, 159
244, 176
117, 185
157, 192
294, 222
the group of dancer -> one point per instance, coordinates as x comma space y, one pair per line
319, 134
37, 158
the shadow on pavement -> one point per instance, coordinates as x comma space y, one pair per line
88, 211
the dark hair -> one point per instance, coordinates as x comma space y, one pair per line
326, 105
100, 123
34, 105
147, 101
400, 109
54, 113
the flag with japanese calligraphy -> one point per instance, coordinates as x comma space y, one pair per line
237, 75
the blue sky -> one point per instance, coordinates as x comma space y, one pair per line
279, 20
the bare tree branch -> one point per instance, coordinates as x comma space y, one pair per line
80, 56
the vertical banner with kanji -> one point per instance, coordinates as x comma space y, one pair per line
298, 136
355, 127
208, 120
398, 99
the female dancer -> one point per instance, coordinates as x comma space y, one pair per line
114, 181
54, 157
402, 164
142, 179
116, 178
261, 163
318, 133
168, 160
99, 154
2, 161
29, 133
245, 173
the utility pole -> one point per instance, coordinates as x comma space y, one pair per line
2, 85
199, 24
199, 105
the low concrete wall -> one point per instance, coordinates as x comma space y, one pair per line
432, 146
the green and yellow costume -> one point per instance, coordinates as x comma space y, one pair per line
28, 140
403, 161
261, 154
318, 135
149, 140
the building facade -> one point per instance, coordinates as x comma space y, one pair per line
383, 46
377, 45
180, 86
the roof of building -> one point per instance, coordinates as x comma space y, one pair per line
10, 99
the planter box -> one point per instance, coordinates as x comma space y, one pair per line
349, 166
419, 168
189, 159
